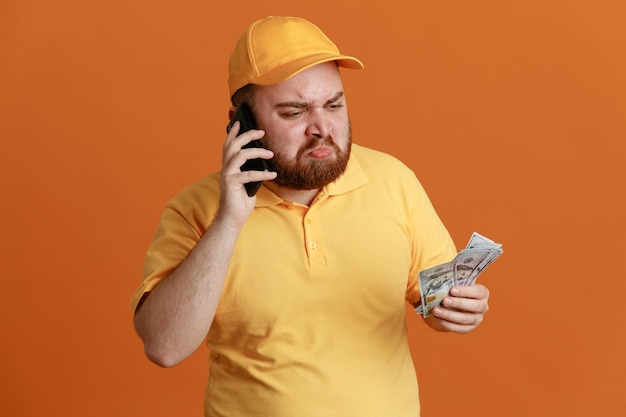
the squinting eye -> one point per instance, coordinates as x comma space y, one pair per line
292, 114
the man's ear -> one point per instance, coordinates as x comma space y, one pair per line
231, 112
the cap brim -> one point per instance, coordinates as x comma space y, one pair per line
288, 70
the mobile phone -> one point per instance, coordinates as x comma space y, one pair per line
247, 122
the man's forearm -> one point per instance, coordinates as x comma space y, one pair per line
176, 316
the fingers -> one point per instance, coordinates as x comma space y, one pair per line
457, 321
234, 156
476, 291
464, 309
473, 299
233, 153
235, 205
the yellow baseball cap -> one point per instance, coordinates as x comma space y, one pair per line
275, 48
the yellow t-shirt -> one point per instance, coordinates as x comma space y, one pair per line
311, 319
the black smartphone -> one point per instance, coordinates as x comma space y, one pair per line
247, 122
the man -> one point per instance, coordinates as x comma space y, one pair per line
299, 291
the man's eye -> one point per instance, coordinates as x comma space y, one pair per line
291, 114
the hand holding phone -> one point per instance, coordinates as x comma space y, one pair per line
247, 122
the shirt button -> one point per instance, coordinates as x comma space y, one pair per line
308, 221
312, 245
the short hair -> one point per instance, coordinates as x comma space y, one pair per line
244, 95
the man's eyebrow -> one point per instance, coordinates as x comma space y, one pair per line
335, 98
299, 105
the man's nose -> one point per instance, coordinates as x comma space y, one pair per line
319, 124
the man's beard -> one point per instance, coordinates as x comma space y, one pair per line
308, 175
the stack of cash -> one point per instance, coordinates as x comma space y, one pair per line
435, 283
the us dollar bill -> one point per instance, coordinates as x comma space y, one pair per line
435, 282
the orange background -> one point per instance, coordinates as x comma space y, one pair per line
511, 113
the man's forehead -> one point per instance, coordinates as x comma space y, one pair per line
319, 82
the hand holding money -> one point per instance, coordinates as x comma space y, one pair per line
435, 283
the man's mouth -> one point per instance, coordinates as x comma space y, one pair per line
321, 153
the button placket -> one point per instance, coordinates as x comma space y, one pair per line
308, 234
312, 241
